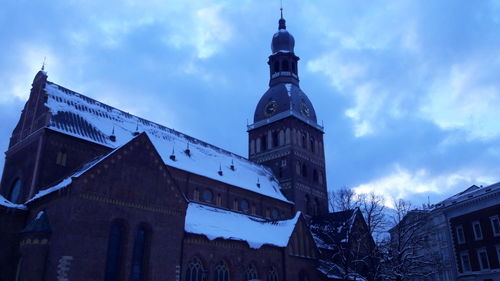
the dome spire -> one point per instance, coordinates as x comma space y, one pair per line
282, 22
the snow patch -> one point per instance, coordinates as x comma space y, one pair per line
6, 203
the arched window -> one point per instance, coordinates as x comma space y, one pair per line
320, 178
219, 200
304, 170
207, 196
251, 273
221, 272
194, 271
196, 194
137, 272
258, 146
15, 191
264, 142
115, 245
304, 141
298, 168
316, 206
311, 143
272, 275
252, 147
281, 138
275, 139
284, 65
276, 66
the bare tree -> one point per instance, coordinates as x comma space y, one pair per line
343, 199
373, 208
407, 255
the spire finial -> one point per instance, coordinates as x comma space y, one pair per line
282, 22
43, 64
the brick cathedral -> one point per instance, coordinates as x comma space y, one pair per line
90, 192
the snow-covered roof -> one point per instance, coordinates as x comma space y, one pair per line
473, 191
80, 116
6, 203
330, 229
216, 223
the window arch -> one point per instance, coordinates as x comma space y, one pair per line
272, 275
194, 271
284, 65
276, 66
251, 273
114, 254
298, 168
304, 141
304, 170
15, 191
275, 139
281, 138
264, 142
138, 272
315, 175
221, 272
311, 143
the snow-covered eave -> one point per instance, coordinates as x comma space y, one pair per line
7, 204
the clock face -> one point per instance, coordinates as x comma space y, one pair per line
270, 108
304, 110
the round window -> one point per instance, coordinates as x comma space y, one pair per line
244, 206
207, 196
15, 191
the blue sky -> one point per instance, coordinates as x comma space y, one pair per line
408, 91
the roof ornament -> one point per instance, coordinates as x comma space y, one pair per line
258, 183
136, 129
43, 64
187, 150
220, 170
113, 137
172, 156
282, 22
232, 165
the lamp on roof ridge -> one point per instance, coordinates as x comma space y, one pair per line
172, 156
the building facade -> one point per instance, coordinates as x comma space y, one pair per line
90, 192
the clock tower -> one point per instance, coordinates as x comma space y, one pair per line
285, 135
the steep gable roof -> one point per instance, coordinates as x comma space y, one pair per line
77, 115
332, 228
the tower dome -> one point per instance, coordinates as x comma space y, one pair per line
283, 41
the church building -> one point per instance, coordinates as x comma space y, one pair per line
90, 192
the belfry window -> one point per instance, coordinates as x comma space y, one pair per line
115, 244
221, 272
194, 271
15, 191
276, 66
264, 142
275, 139
137, 272
294, 67
284, 65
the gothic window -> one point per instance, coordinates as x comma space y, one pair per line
298, 168
264, 142
315, 175
320, 177
311, 143
272, 275
244, 206
258, 146
276, 66
308, 204
304, 142
235, 204
61, 158
304, 170
196, 194
221, 272
137, 271
287, 136
251, 273
252, 147
207, 196
194, 271
275, 139
316, 207
15, 191
115, 244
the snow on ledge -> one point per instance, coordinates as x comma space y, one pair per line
6, 203
216, 223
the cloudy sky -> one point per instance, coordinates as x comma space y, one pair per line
408, 91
